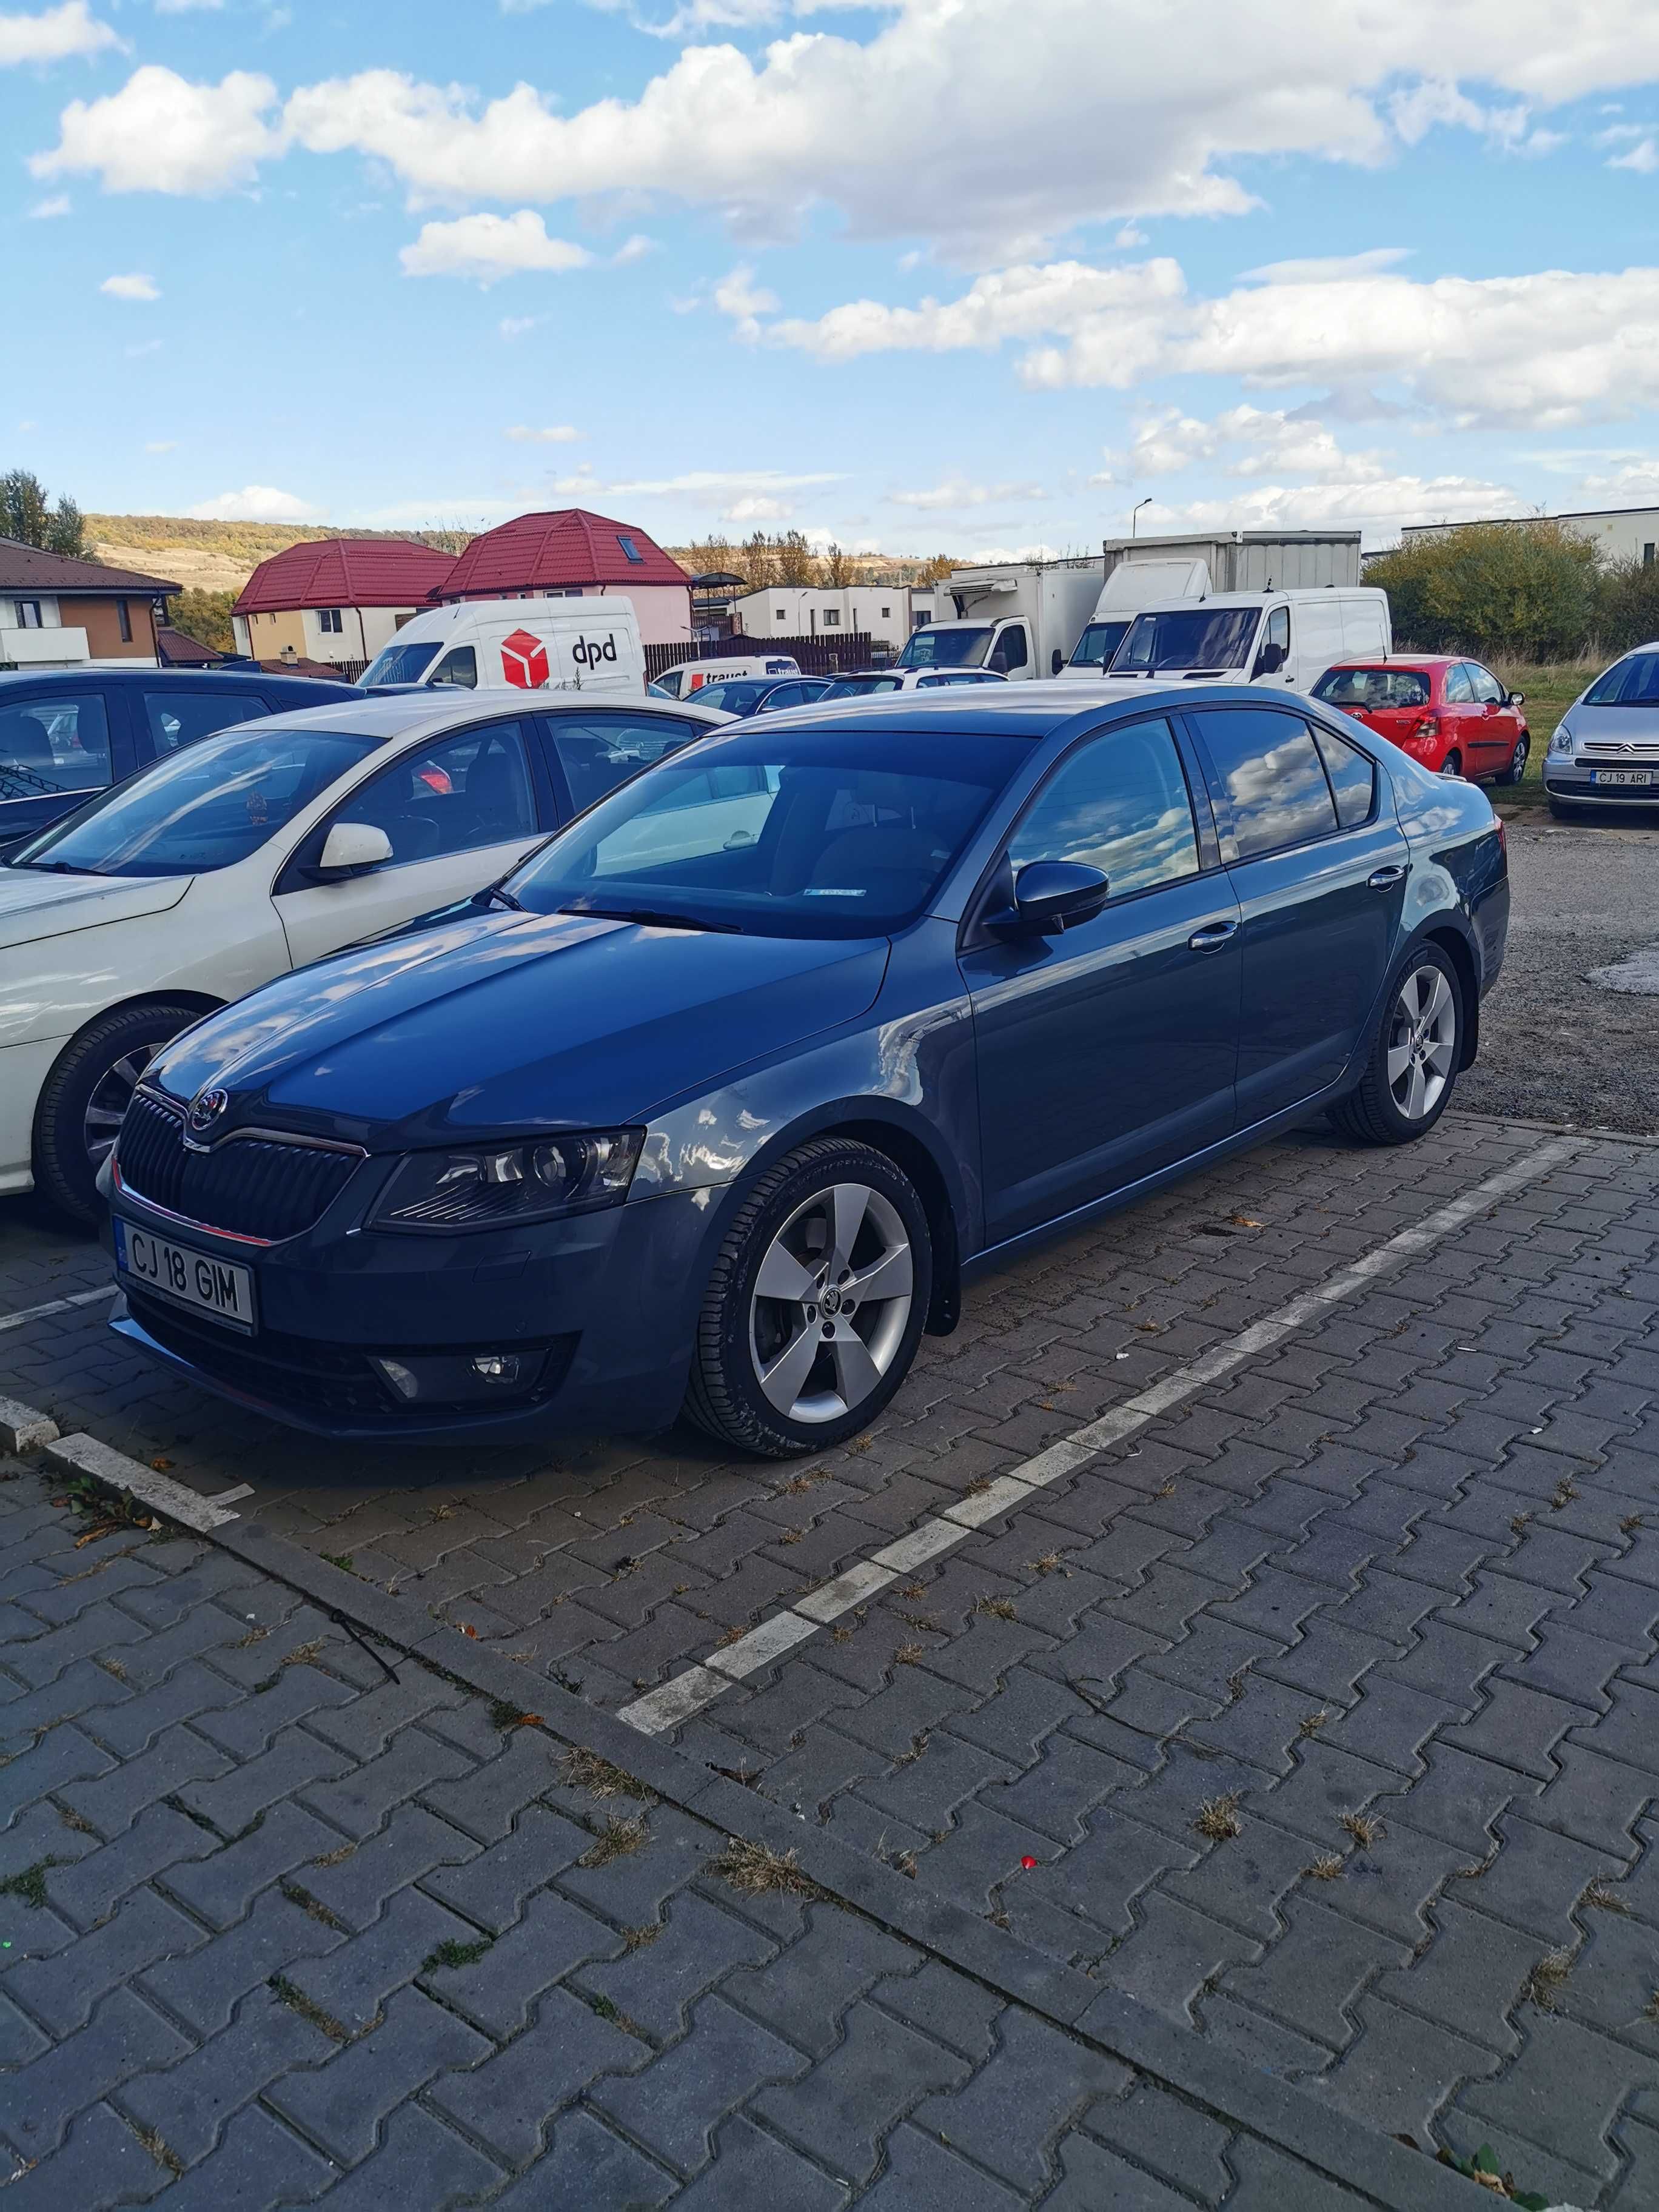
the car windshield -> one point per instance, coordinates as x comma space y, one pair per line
1377, 688
1098, 643
203, 808
860, 687
1197, 637
735, 698
398, 664
946, 648
1632, 682
777, 832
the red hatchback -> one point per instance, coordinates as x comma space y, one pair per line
1454, 716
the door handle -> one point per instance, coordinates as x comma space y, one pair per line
1211, 937
1383, 879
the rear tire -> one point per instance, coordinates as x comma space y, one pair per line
815, 1304
1518, 767
1408, 1079
1563, 810
84, 1099
1452, 765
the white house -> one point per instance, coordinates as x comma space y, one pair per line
888, 612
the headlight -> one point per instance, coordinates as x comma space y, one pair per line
498, 1186
1560, 742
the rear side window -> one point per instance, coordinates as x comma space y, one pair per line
1353, 779
1119, 804
1272, 778
59, 743
598, 752
179, 717
1378, 689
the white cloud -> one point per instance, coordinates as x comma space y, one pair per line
957, 496
161, 134
142, 352
515, 326
58, 34
1245, 441
488, 247
255, 504
1326, 267
739, 296
162, 445
44, 211
757, 511
1379, 504
985, 556
711, 484
1642, 157
635, 249
1024, 301
560, 433
135, 287
185, 7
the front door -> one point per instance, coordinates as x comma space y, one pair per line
1494, 735
1107, 1052
1320, 869
459, 813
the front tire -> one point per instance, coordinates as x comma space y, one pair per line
816, 1304
1518, 765
1407, 1082
84, 1100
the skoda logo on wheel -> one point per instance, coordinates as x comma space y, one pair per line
205, 1110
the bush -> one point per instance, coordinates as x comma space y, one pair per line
1630, 606
1528, 590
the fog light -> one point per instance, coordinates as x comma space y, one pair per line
459, 1378
496, 1366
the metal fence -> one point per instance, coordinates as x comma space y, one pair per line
815, 656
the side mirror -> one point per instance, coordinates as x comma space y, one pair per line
1270, 660
351, 848
1057, 663
1517, 699
1052, 895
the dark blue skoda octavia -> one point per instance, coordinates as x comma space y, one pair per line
718, 1101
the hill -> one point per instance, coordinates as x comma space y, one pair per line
221, 556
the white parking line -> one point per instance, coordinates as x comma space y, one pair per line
676, 1701
55, 1305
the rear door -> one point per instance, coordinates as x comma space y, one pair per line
1319, 865
460, 811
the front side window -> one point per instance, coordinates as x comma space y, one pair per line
1098, 644
1273, 778
1485, 686
778, 832
1631, 681
397, 664
1010, 650
204, 807
1196, 637
181, 717
599, 752
1278, 630
458, 670
57, 744
1119, 804
456, 795
1377, 688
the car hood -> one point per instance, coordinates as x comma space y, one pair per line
35, 905
515, 1022
1638, 724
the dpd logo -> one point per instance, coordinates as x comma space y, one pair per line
523, 660
589, 652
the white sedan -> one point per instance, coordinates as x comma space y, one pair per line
252, 853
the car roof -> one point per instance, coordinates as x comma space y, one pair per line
414, 715
1033, 710
256, 680
1407, 660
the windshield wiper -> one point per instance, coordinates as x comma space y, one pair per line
651, 917
58, 868
493, 895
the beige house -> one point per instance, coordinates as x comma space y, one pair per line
336, 600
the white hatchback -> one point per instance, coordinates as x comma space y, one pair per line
252, 853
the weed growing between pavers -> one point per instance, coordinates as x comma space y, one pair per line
1217, 1818
586, 1770
308, 2008
31, 1884
1329, 1866
314, 1905
1543, 1985
454, 1954
757, 1870
1364, 1827
617, 1839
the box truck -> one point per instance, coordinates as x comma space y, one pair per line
538, 644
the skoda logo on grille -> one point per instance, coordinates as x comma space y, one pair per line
205, 1110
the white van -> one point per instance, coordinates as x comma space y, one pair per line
1284, 640
1132, 585
540, 644
686, 676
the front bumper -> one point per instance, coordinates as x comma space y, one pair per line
1567, 781
599, 1311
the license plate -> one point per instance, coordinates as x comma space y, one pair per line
1640, 777
218, 1288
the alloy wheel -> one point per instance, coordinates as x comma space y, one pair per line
1452, 765
1422, 1043
831, 1303
1518, 759
111, 1095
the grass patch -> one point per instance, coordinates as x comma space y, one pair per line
586, 1769
1542, 1986
1001, 1608
1602, 1897
636, 1939
314, 1905
31, 1884
162, 2152
1364, 1827
454, 1954
757, 1870
343, 1560
1217, 1818
615, 1840
1327, 1867
608, 2011
307, 2007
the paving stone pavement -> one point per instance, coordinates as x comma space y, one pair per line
289, 1916
1323, 1717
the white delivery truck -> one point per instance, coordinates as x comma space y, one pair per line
540, 644
1284, 640
1018, 618
1131, 586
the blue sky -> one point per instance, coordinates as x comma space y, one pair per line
964, 275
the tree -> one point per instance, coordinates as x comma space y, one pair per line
936, 570
26, 516
837, 570
205, 616
1527, 591
794, 560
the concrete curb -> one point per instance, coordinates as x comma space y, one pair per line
1375, 2168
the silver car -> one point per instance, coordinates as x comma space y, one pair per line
1605, 747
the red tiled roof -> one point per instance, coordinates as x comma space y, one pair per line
177, 648
557, 551
25, 568
344, 572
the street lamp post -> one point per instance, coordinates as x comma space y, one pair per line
1134, 514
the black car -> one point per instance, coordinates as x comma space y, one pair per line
67, 733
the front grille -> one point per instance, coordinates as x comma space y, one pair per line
262, 1187
302, 1373
1637, 751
